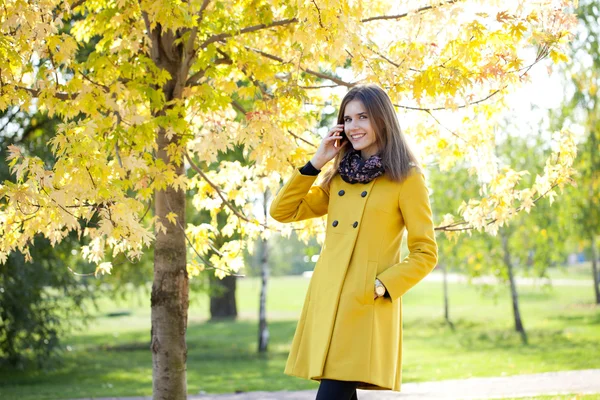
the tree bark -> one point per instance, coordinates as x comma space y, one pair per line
595, 268
170, 288
222, 298
513, 290
263, 329
446, 300
169, 298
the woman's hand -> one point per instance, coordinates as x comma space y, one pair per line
331, 144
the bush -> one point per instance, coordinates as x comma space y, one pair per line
39, 301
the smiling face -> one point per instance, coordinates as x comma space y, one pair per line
358, 128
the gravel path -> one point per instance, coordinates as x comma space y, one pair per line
549, 383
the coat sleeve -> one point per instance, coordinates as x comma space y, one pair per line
423, 252
298, 199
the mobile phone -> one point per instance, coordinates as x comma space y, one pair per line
338, 143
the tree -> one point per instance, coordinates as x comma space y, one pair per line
448, 190
582, 107
34, 297
159, 93
530, 244
263, 329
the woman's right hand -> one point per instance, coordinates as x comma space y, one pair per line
327, 149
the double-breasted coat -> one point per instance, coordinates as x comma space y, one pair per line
343, 332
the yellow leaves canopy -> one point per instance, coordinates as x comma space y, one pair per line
255, 74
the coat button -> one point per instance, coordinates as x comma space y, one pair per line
335, 223
363, 194
355, 224
341, 192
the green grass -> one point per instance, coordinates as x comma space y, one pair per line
581, 271
111, 357
559, 397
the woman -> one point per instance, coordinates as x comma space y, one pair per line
350, 331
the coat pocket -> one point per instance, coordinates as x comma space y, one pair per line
369, 292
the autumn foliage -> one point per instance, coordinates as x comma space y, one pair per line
212, 75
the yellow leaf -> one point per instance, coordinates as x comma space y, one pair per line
103, 268
172, 217
557, 56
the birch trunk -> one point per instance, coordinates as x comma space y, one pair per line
263, 329
446, 299
513, 290
595, 269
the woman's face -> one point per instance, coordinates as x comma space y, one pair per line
357, 125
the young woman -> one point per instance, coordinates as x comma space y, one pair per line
350, 331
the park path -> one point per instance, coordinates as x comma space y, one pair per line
549, 383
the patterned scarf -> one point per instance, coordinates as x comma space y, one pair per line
353, 169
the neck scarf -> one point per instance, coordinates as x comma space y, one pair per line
353, 169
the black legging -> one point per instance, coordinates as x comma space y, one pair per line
337, 390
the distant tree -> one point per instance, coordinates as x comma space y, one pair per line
582, 107
528, 245
263, 330
448, 189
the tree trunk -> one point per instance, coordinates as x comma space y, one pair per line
263, 329
170, 288
222, 298
595, 268
169, 298
446, 301
513, 289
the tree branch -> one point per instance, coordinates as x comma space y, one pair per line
451, 227
189, 50
103, 87
321, 75
79, 274
255, 28
400, 16
304, 140
77, 3
202, 258
238, 107
290, 21
218, 190
193, 80
318, 12
541, 55
151, 36
443, 126
202, 9
241, 109
58, 95
318, 87
249, 76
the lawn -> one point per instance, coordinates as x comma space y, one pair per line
559, 397
111, 357
581, 271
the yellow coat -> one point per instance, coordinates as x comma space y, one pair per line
343, 333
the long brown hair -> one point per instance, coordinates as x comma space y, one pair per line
396, 156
